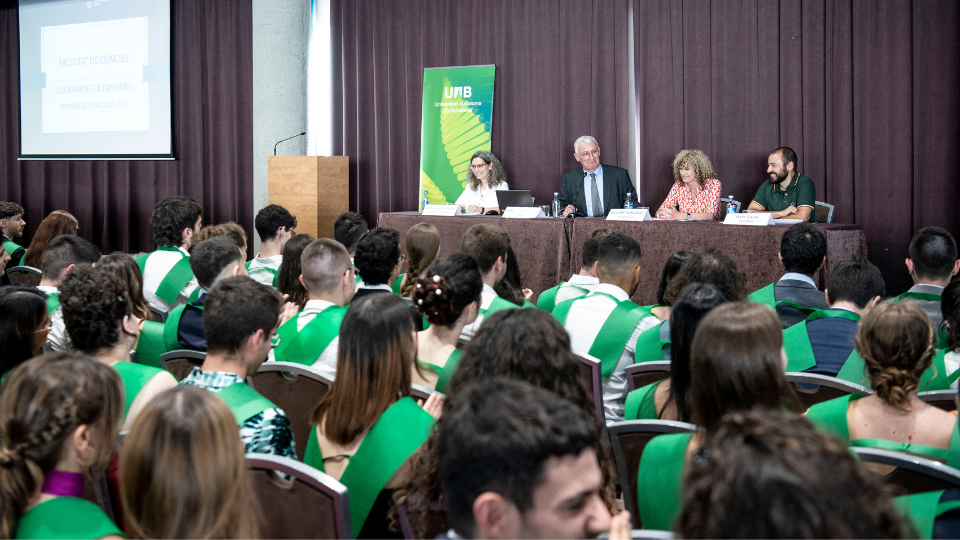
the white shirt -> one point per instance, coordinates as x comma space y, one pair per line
951, 361
471, 196
382, 286
588, 191
584, 321
158, 264
566, 292
257, 268
57, 337
326, 363
486, 297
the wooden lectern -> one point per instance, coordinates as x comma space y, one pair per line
313, 188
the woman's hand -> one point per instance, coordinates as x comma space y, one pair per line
527, 294
474, 209
666, 213
433, 405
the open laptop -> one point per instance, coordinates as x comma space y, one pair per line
513, 197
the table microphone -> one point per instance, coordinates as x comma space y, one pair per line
579, 188
287, 139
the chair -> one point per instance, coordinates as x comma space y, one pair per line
150, 345
827, 388
628, 439
823, 212
24, 275
724, 201
157, 315
590, 376
640, 375
942, 399
312, 505
914, 474
181, 362
296, 389
422, 392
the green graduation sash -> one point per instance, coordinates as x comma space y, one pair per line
660, 480
641, 404
796, 340
764, 296
399, 431
276, 276
171, 328
446, 372
134, 377
244, 402
936, 376
942, 334
649, 345
548, 298
305, 346
150, 344
66, 517
922, 509
176, 279
396, 284
11, 248
53, 302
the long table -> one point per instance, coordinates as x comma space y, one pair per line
548, 250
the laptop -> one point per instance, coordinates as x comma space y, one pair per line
513, 197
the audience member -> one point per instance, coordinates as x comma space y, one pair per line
240, 320
167, 278
349, 229
947, 360
24, 325
931, 264
378, 261
803, 250
422, 246
55, 224
275, 226
99, 318
59, 420
510, 288
770, 474
580, 284
367, 417
489, 245
125, 270
183, 472
670, 269
605, 324
12, 224
61, 256
4, 259
229, 230
288, 276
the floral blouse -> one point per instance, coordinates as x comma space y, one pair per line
706, 200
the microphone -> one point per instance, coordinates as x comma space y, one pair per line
287, 139
575, 210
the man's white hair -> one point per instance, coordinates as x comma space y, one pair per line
581, 140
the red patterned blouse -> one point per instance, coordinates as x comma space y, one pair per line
706, 200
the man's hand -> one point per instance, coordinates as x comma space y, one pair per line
790, 210
568, 210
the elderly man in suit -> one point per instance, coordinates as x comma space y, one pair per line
592, 189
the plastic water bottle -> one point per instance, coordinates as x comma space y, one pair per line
555, 209
628, 203
731, 206
426, 200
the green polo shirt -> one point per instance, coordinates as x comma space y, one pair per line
801, 192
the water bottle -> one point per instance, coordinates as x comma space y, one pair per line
731, 206
555, 209
628, 203
426, 200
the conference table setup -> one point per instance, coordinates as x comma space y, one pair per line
548, 249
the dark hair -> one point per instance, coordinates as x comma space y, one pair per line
771, 474
895, 340
10, 209
497, 436
22, 310
950, 308
348, 229
708, 265
485, 243
803, 247
94, 303
448, 286
55, 224
670, 269
236, 308
618, 254
422, 245
269, 220
737, 364
933, 252
125, 270
323, 263
288, 276
590, 250
210, 257
855, 280
509, 288
171, 216
787, 156
694, 302
65, 250
377, 255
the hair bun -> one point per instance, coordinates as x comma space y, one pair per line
433, 297
8, 457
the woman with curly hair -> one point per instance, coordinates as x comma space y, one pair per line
125, 270
56, 223
484, 176
895, 340
696, 191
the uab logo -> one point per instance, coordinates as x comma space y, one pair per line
450, 92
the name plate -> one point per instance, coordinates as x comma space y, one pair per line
748, 219
526, 212
440, 210
623, 214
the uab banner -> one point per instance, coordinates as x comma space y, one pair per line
457, 121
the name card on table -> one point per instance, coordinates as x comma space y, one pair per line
749, 219
623, 214
523, 212
441, 210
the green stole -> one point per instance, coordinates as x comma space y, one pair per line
650, 346
936, 377
615, 332
445, 372
262, 269
499, 304
660, 480
244, 402
641, 404
65, 517
176, 279
53, 302
796, 341
396, 284
923, 509
548, 298
399, 431
134, 377
11, 247
305, 346
764, 296
150, 344
942, 334
276, 276
171, 328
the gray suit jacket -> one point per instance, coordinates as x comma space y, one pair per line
616, 185
798, 292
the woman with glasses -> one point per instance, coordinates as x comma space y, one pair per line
484, 176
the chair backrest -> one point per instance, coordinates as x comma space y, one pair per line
24, 275
914, 474
827, 388
823, 212
590, 376
422, 392
628, 439
150, 345
312, 505
157, 315
296, 389
181, 362
942, 399
640, 375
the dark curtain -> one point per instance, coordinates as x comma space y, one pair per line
212, 77
866, 92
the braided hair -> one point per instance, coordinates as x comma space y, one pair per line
895, 340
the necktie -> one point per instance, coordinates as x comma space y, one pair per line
595, 195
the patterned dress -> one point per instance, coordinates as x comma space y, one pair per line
706, 200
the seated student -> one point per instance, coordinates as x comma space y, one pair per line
448, 296
378, 261
275, 225
24, 324
605, 324
229, 230
191, 432
59, 421
348, 230
803, 250
827, 339
366, 425
947, 360
240, 318
670, 399
489, 245
55, 224
932, 263
896, 342
422, 247
288, 277
510, 288
769, 474
670, 268
12, 224
736, 364
517, 461
62, 255
167, 278
4, 259
100, 321
579, 284
312, 337
126, 272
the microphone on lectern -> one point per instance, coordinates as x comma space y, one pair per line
287, 139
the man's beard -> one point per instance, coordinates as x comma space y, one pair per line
779, 177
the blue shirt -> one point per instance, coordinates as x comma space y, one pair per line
588, 191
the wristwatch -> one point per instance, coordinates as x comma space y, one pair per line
688, 216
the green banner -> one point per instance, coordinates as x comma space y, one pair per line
457, 121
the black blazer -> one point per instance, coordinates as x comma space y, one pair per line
798, 292
616, 185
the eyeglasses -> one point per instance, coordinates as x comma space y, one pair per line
478, 167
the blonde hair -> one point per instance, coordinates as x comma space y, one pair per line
422, 244
895, 340
696, 159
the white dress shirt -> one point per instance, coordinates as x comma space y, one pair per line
486, 297
57, 337
326, 363
472, 196
158, 264
588, 191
